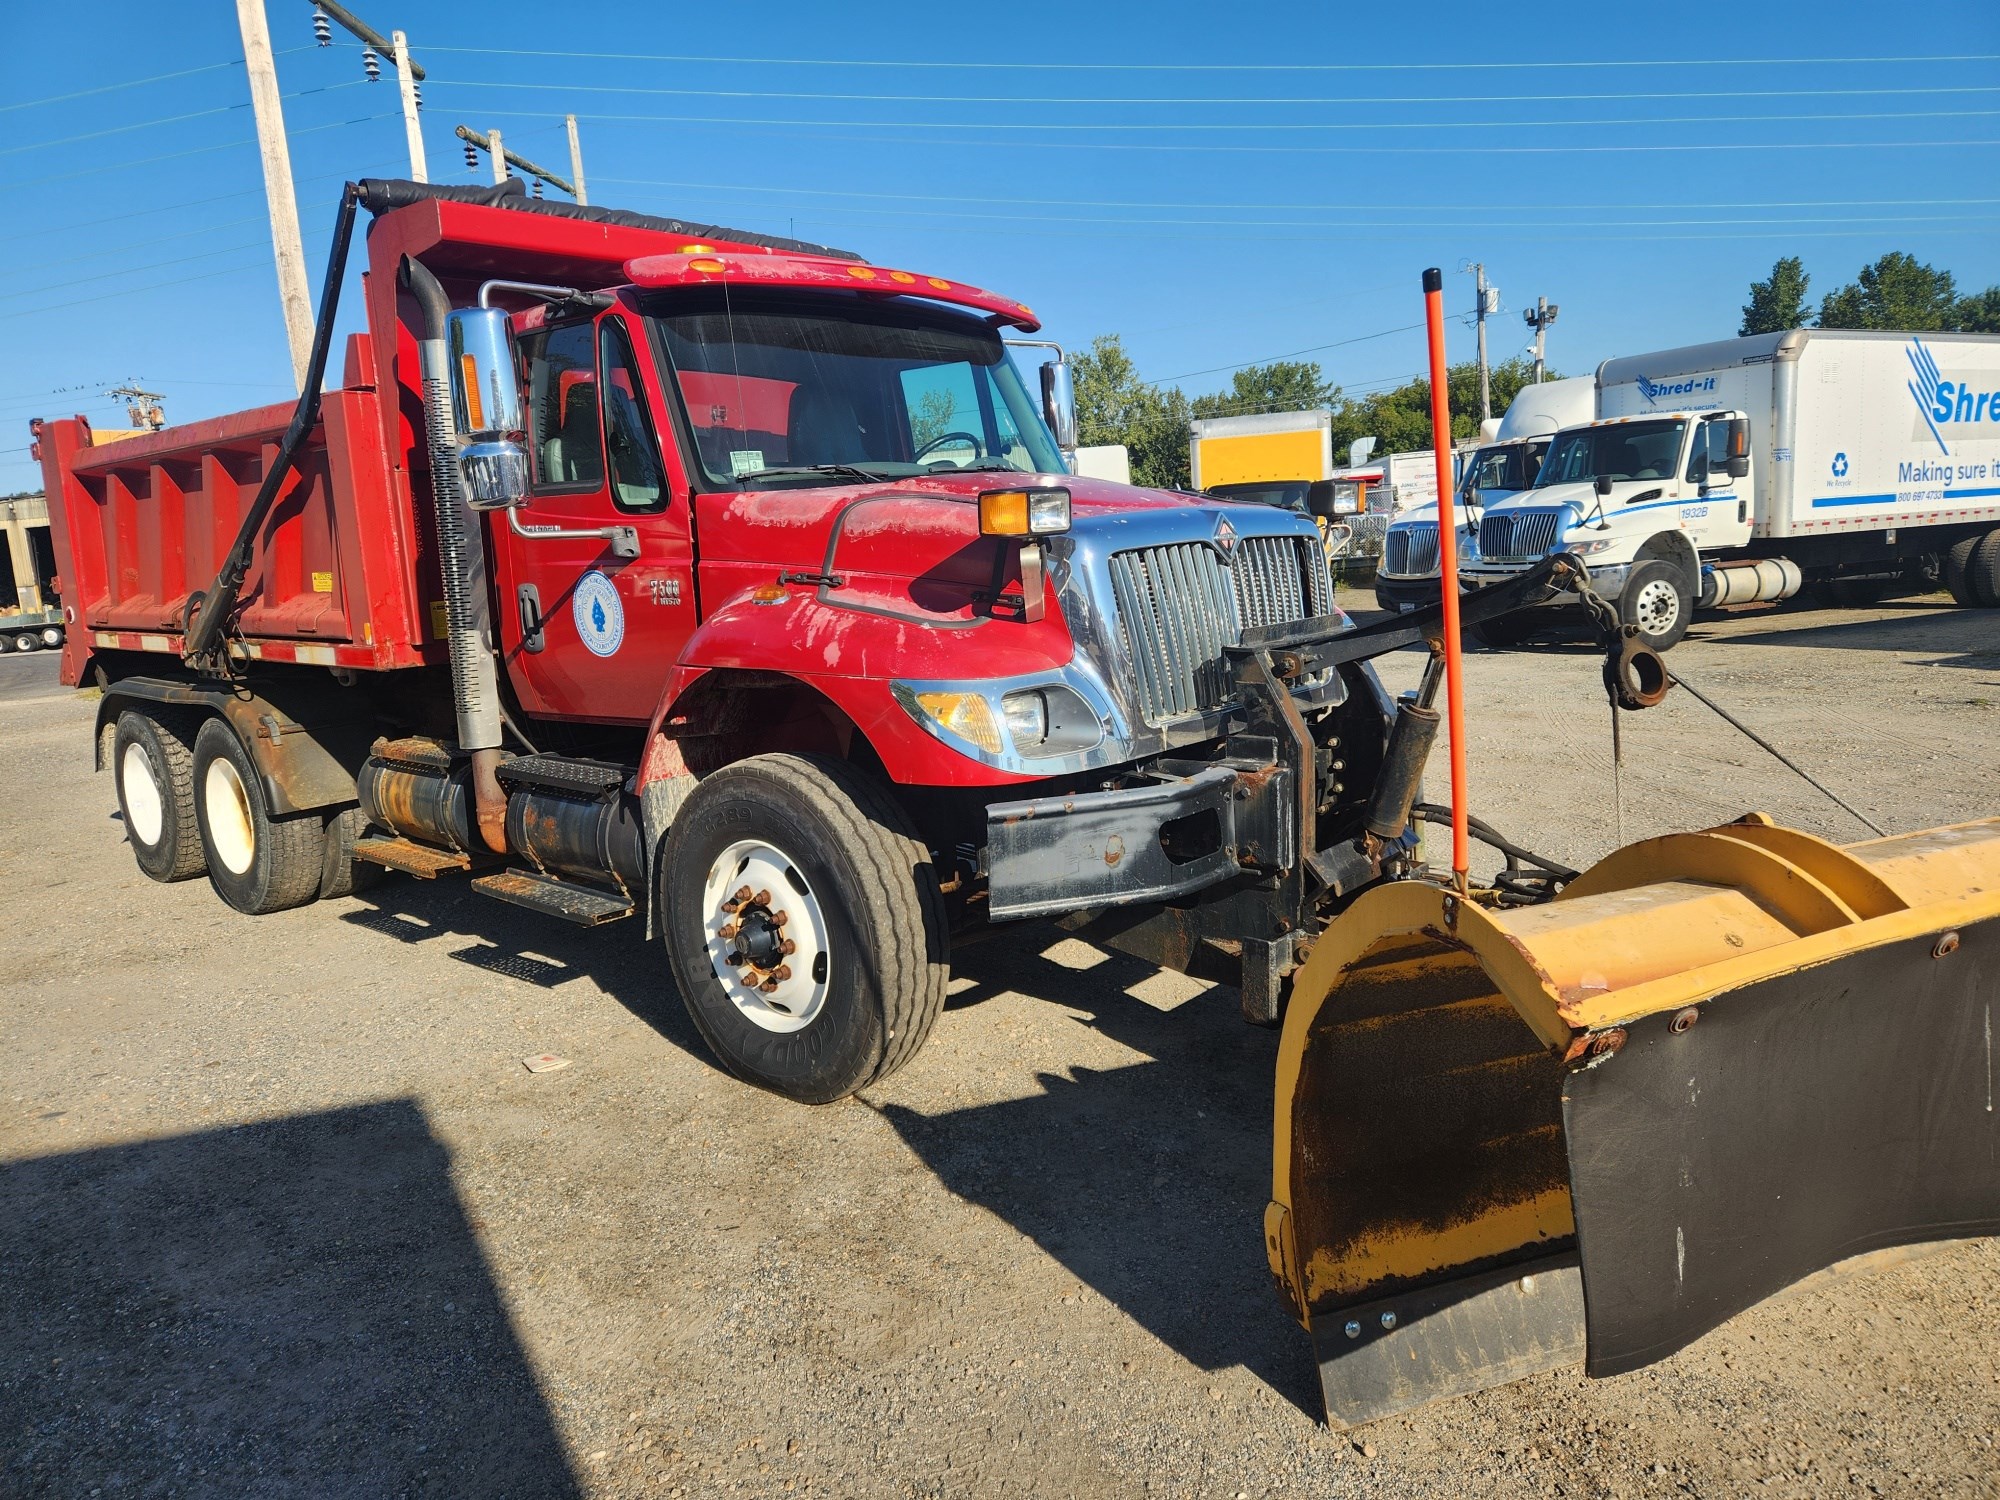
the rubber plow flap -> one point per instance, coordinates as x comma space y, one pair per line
1512, 1139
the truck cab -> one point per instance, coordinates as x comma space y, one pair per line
1640, 500
1407, 576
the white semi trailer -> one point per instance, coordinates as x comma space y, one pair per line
1738, 471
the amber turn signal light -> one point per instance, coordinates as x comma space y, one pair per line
1023, 512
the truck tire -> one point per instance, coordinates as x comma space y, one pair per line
152, 760
52, 636
1657, 599
1957, 578
342, 874
27, 640
257, 862
1982, 571
832, 868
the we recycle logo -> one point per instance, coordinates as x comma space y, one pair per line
1840, 466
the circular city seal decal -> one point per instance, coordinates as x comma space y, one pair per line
599, 614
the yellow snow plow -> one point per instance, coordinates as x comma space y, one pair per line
1513, 1138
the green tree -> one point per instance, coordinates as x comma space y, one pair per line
1779, 303
1400, 419
1896, 292
1287, 385
1113, 405
1979, 312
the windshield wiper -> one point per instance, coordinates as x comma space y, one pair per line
832, 471
984, 466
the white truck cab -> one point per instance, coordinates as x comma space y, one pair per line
1639, 499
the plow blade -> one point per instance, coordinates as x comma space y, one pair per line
1512, 1139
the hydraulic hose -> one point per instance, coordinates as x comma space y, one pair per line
201, 646
475, 682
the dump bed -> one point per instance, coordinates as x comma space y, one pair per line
140, 522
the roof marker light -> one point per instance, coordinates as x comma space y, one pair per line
861, 273
940, 283
708, 264
903, 276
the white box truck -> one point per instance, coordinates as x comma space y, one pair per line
1736, 471
1496, 471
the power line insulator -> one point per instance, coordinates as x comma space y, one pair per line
322, 28
371, 64
538, 187
471, 157
417, 92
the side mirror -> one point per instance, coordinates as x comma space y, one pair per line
1739, 447
1604, 486
1059, 402
486, 408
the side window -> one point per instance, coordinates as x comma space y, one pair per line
1709, 453
566, 436
637, 482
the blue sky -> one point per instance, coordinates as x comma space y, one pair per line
1219, 185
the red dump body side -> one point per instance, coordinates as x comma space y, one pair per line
141, 522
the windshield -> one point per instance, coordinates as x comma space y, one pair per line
1511, 467
782, 388
1630, 450
1286, 494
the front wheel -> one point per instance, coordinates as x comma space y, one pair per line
803, 921
1657, 599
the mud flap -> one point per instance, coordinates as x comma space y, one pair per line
1782, 1127
1509, 1139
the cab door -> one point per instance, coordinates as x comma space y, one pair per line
588, 632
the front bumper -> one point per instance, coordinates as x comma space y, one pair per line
1399, 596
1607, 580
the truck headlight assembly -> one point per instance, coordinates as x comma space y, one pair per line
1039, 512
1051, 720
966, 715
1590, 547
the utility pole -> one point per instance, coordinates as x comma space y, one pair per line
575, 159
409, 76
407, 86
1484, 305
293, 294
496, 148
1538, 318
142, 407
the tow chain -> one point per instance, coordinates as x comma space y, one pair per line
1636, 676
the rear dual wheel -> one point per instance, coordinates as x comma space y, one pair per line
152, 760
1978, 574
804, 924
258, 862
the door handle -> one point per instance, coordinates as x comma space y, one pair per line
528, 600
624, 540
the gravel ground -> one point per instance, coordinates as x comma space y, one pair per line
282, 1212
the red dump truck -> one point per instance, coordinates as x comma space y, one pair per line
644, 568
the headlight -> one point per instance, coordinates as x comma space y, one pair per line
1468, 545
1038, 512
1052, 720
1590, 547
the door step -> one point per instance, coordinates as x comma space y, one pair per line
425, 861
585, 780
587, 906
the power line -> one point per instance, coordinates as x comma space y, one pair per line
223, 109
983, 65
118, 166
1458, 210
158, 265
1179, 101
112, 88
1240, 127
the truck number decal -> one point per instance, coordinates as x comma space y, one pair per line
599, 614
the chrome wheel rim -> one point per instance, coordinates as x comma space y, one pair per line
145, 807
226, 808
766, 935
1658, 607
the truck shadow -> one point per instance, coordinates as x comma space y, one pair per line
1944, 629
293, 1306
1148, 1182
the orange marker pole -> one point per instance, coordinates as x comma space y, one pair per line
1454, 654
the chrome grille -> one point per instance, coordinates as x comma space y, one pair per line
1179, 605
1519, 536
1410, 551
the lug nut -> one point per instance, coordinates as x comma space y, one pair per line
782, 973
788, 947
734, 960
768, 986
729, 929
741, 896
780, 918
762, 898
732, 907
